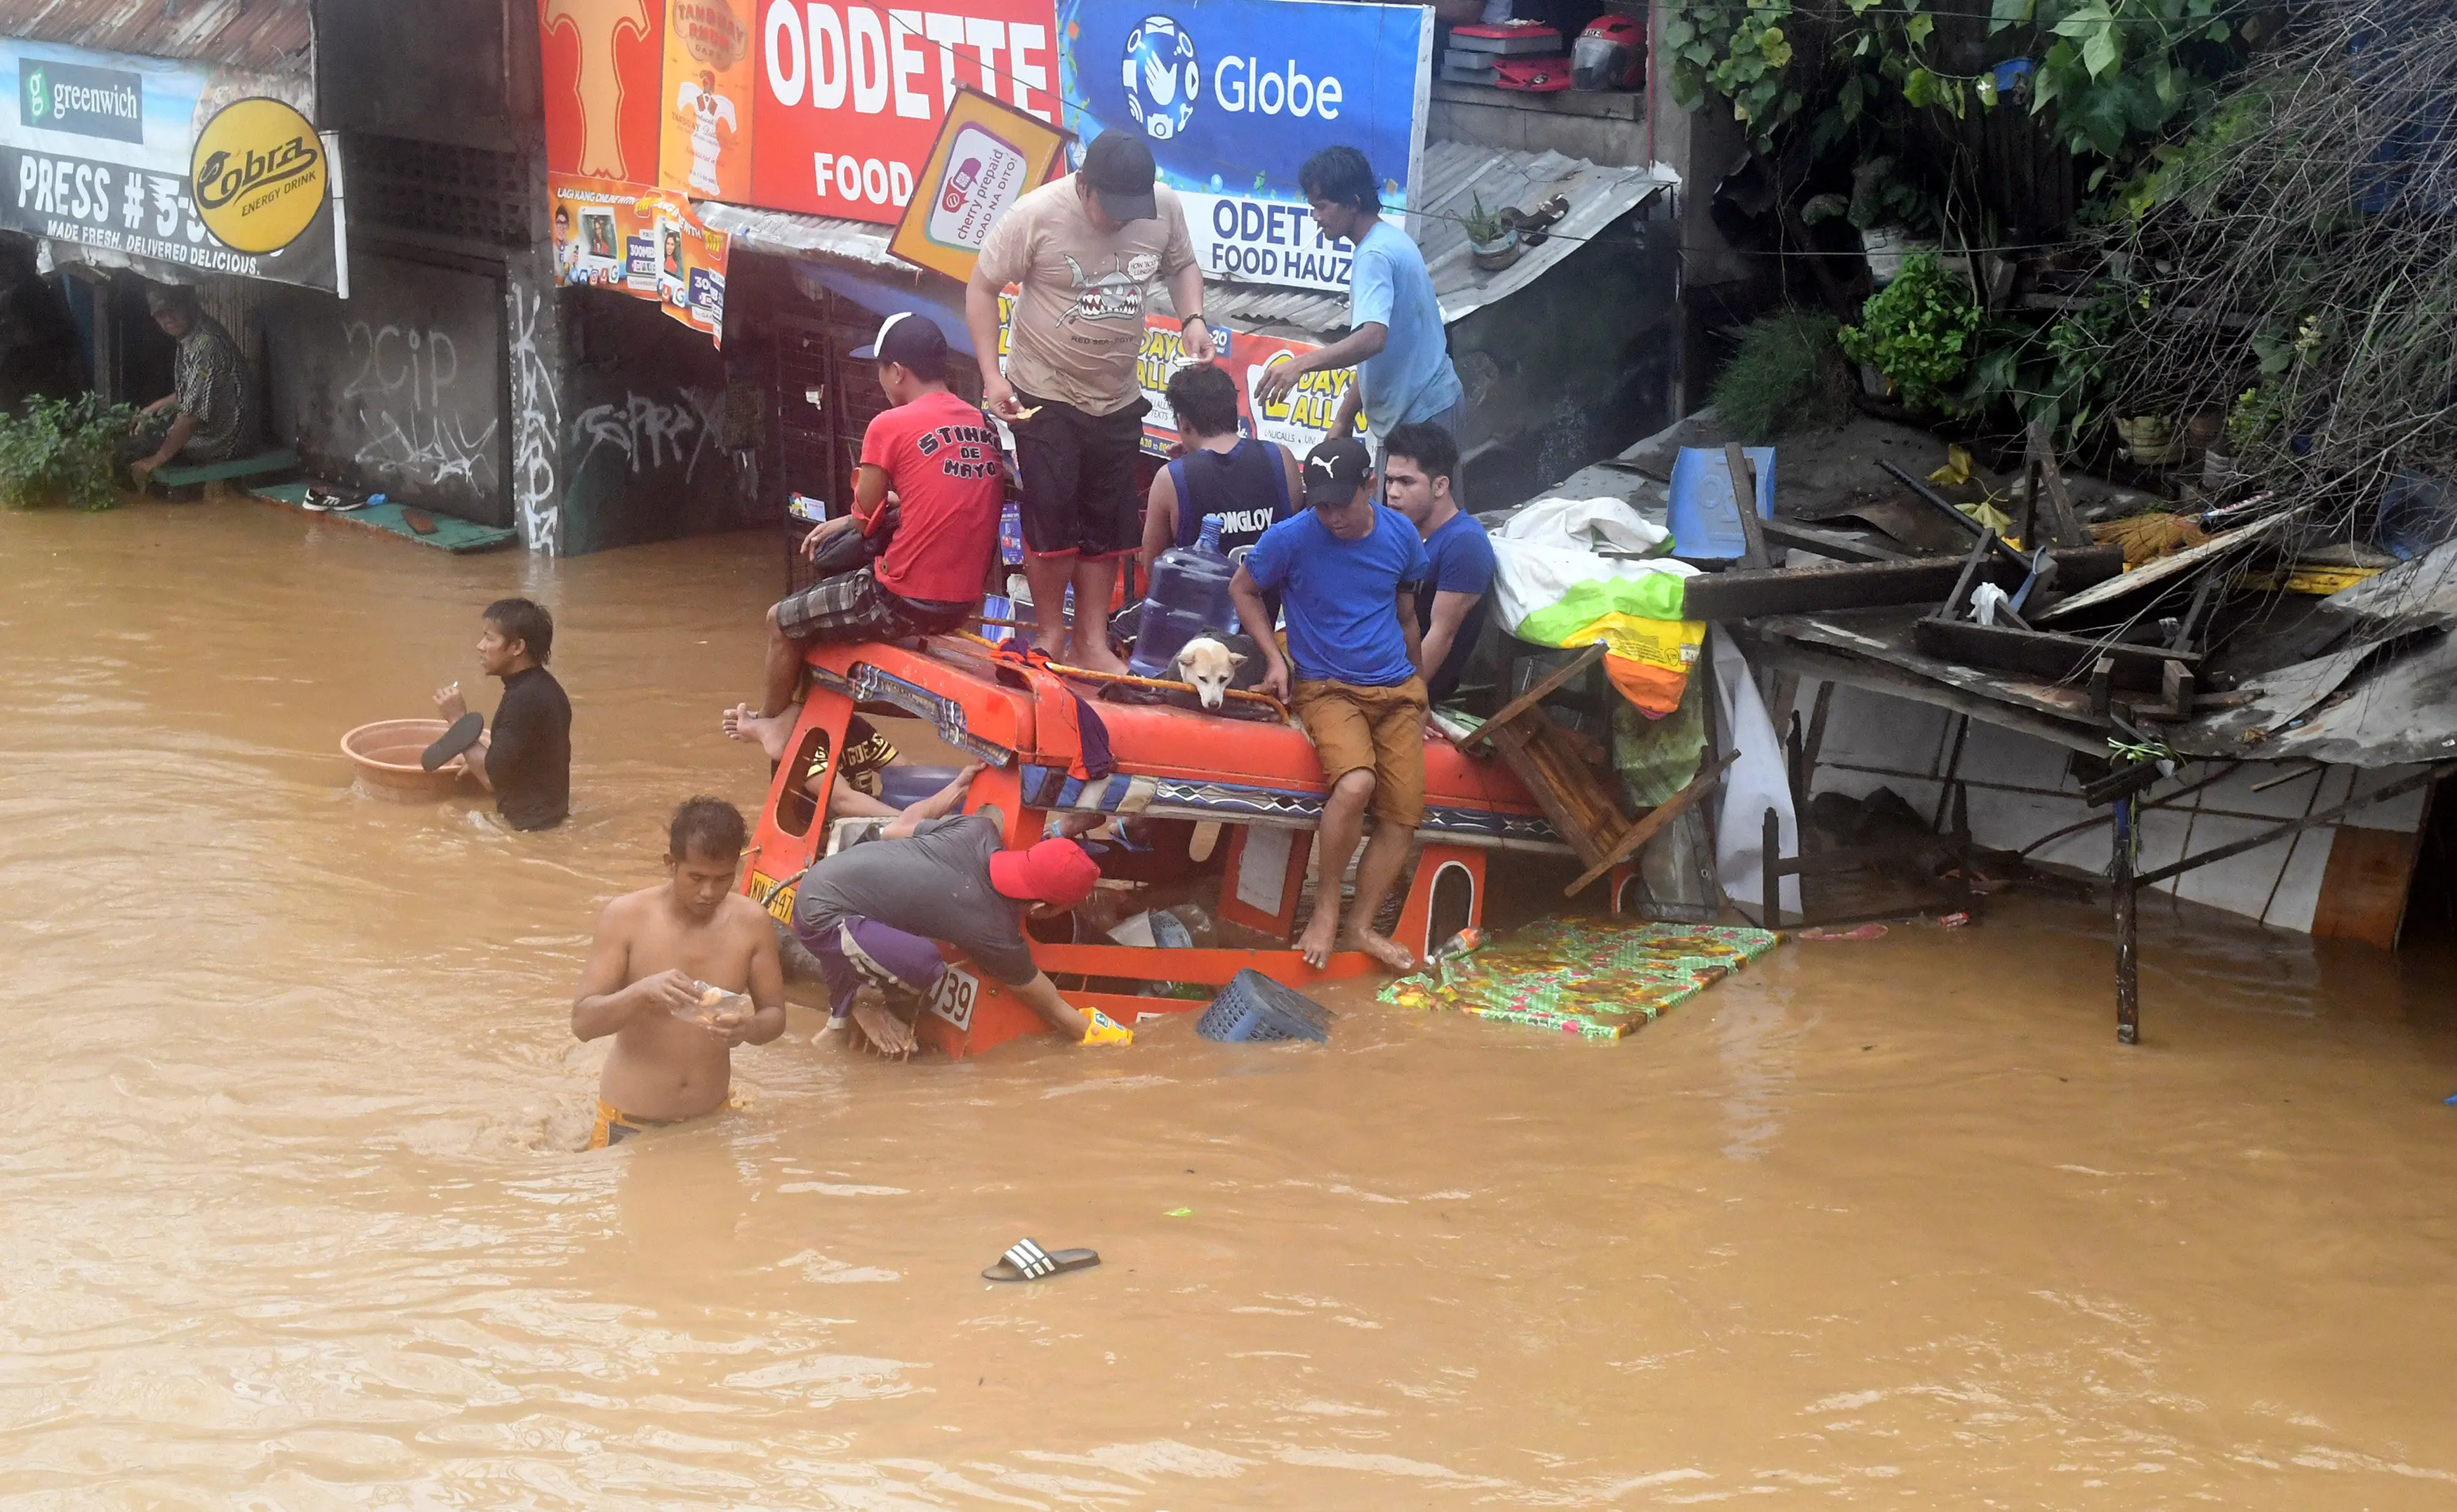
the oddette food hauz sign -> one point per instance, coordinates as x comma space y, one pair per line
209, 168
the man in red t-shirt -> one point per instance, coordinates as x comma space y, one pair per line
925, 508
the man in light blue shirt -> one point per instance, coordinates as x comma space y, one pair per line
1394, 339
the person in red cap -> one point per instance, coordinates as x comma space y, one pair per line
873, 913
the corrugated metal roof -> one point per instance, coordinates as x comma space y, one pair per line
266, 37
1456, 175
784, 232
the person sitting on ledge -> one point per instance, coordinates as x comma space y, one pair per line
912, 558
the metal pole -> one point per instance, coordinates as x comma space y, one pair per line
2128, 960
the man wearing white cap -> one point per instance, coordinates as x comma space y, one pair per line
912, 558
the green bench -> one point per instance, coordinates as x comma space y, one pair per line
186, 481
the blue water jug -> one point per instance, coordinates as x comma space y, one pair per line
1189, 596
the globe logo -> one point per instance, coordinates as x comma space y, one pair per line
1162, 77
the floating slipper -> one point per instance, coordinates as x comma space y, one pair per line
462, 735
1027, 1261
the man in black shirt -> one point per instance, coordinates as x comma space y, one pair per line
525, 760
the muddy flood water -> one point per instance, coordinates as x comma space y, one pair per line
295, 1216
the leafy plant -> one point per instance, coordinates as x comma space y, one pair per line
2117, 70
1788, 375
1483, 226
1740, 51
60, 451
1918, 331
2250, 420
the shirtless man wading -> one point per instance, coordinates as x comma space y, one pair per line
650, 947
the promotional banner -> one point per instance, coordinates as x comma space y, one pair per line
848, 98
1234, 96
986, 157
1299, 422
603, 61
640, 240
210, 169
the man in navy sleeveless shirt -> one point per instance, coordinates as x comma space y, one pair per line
1250, 484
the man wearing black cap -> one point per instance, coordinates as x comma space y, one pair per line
1346, 571
1086, 251
914, 553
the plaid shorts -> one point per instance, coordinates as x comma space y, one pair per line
851, 606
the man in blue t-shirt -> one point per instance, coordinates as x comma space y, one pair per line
1417, 474
1396, 339
1346, 571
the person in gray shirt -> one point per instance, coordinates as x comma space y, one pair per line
873, 913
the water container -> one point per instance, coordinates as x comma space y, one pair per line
901, 784
1189, 595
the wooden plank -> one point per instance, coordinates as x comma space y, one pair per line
2364, 887
1743, 593
2168, 566
2045, 654
1745, 503
1825, 543
2064, 526
1544, 780
256, 466
1550, 684
1645, 829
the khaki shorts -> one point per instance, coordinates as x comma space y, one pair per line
1377, 729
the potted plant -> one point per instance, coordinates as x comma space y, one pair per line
1889, 212
1491, 241
1918, 332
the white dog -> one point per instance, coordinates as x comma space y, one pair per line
1208, 666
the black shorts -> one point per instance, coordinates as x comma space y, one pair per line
851, 606
1080, 497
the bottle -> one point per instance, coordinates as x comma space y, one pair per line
1188, 596
711, 1002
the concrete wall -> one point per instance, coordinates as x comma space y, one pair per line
646, 456
398, 389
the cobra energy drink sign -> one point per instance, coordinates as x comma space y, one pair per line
210, 169
1234, 95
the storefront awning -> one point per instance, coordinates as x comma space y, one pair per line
264, 36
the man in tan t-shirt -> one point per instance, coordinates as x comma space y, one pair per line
1086, 249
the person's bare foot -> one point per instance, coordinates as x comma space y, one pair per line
1392, 955
768, 732
947, 799
1095, 658
1314, 945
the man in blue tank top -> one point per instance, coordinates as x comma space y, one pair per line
1250, 484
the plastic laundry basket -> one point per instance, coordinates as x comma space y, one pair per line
1253, 1008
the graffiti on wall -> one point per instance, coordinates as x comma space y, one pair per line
648, 434
415, 406
537, 426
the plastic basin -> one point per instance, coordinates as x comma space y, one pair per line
384, 758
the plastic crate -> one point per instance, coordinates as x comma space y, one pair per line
1253, 1008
